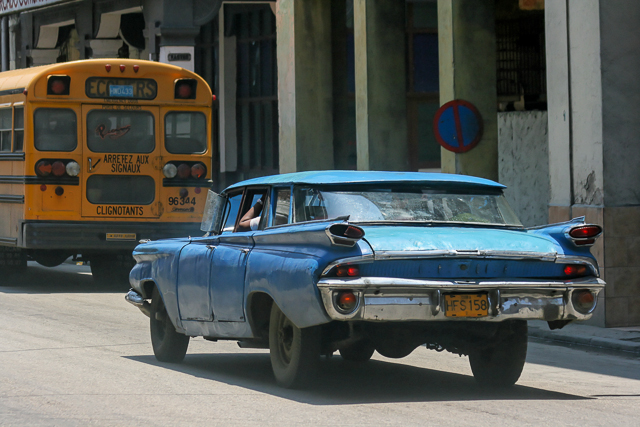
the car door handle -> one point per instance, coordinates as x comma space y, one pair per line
245, 251
212, 248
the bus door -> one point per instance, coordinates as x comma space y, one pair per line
121, 162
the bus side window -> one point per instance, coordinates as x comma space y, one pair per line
18, 129
55, 129
5, 129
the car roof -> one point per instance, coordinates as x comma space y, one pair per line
367, 177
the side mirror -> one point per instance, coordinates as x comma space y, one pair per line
213, 211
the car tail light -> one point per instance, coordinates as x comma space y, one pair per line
583, 301
347, 271
73, 169
198, 170
344, 234
185, 89
576, 270
43, 168
58, 168
170, 170
184, 171
345, 301
58, 85
585, 235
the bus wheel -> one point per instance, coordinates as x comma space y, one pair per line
13, 260
111, 269
50, 258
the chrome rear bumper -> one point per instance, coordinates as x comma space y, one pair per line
392, 299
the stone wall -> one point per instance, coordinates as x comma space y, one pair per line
524, 164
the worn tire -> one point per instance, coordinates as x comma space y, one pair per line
501, 363
360, 351
168, 344
295, 352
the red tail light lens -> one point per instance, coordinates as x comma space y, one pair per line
348, 271
184, 171
122, 68
346, 301
354, 232
43, 168
583, 301
576, 270
58, 168
585, 232
198, 171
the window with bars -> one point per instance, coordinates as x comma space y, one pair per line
521, 66
257, 95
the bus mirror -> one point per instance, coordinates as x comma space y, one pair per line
213, 210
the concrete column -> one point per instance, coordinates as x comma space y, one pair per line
467, 56
304, 85
228, 137
381, 110
559, 110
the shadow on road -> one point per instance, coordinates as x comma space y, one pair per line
343, 383
66, 278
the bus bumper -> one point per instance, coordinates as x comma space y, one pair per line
103, 235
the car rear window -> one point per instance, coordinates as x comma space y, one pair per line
397, 205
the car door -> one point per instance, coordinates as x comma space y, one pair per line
194, 272
229, 260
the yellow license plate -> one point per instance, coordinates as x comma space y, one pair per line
466, 305
121, 236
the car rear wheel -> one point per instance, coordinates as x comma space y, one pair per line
500, 364
295, 352
168, 344
360, 351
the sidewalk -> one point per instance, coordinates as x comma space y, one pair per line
625, 340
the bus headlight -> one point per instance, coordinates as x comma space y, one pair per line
73, 169
170, 170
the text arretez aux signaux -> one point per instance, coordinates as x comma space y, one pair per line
126, 162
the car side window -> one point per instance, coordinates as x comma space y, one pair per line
283, 203
231, 212
253, 214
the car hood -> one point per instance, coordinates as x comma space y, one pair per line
426, 238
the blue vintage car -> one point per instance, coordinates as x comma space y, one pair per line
310, 263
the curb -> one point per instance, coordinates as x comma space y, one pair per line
588, 340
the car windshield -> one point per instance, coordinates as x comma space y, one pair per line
423, 205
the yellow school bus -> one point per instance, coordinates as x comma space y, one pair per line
96, 155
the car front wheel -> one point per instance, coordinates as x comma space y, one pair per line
168, 344
295, 352
500, 363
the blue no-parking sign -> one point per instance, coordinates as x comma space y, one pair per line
457, 126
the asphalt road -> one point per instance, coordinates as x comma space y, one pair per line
74, 354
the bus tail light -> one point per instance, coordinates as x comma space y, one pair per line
198, 170
43, 168
136, 68
58, 85
185, 89
72, 168
170, 170
184, 171
122, 68
58, 168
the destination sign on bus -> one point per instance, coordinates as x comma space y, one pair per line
104, 87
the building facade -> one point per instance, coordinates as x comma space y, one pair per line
354, 84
